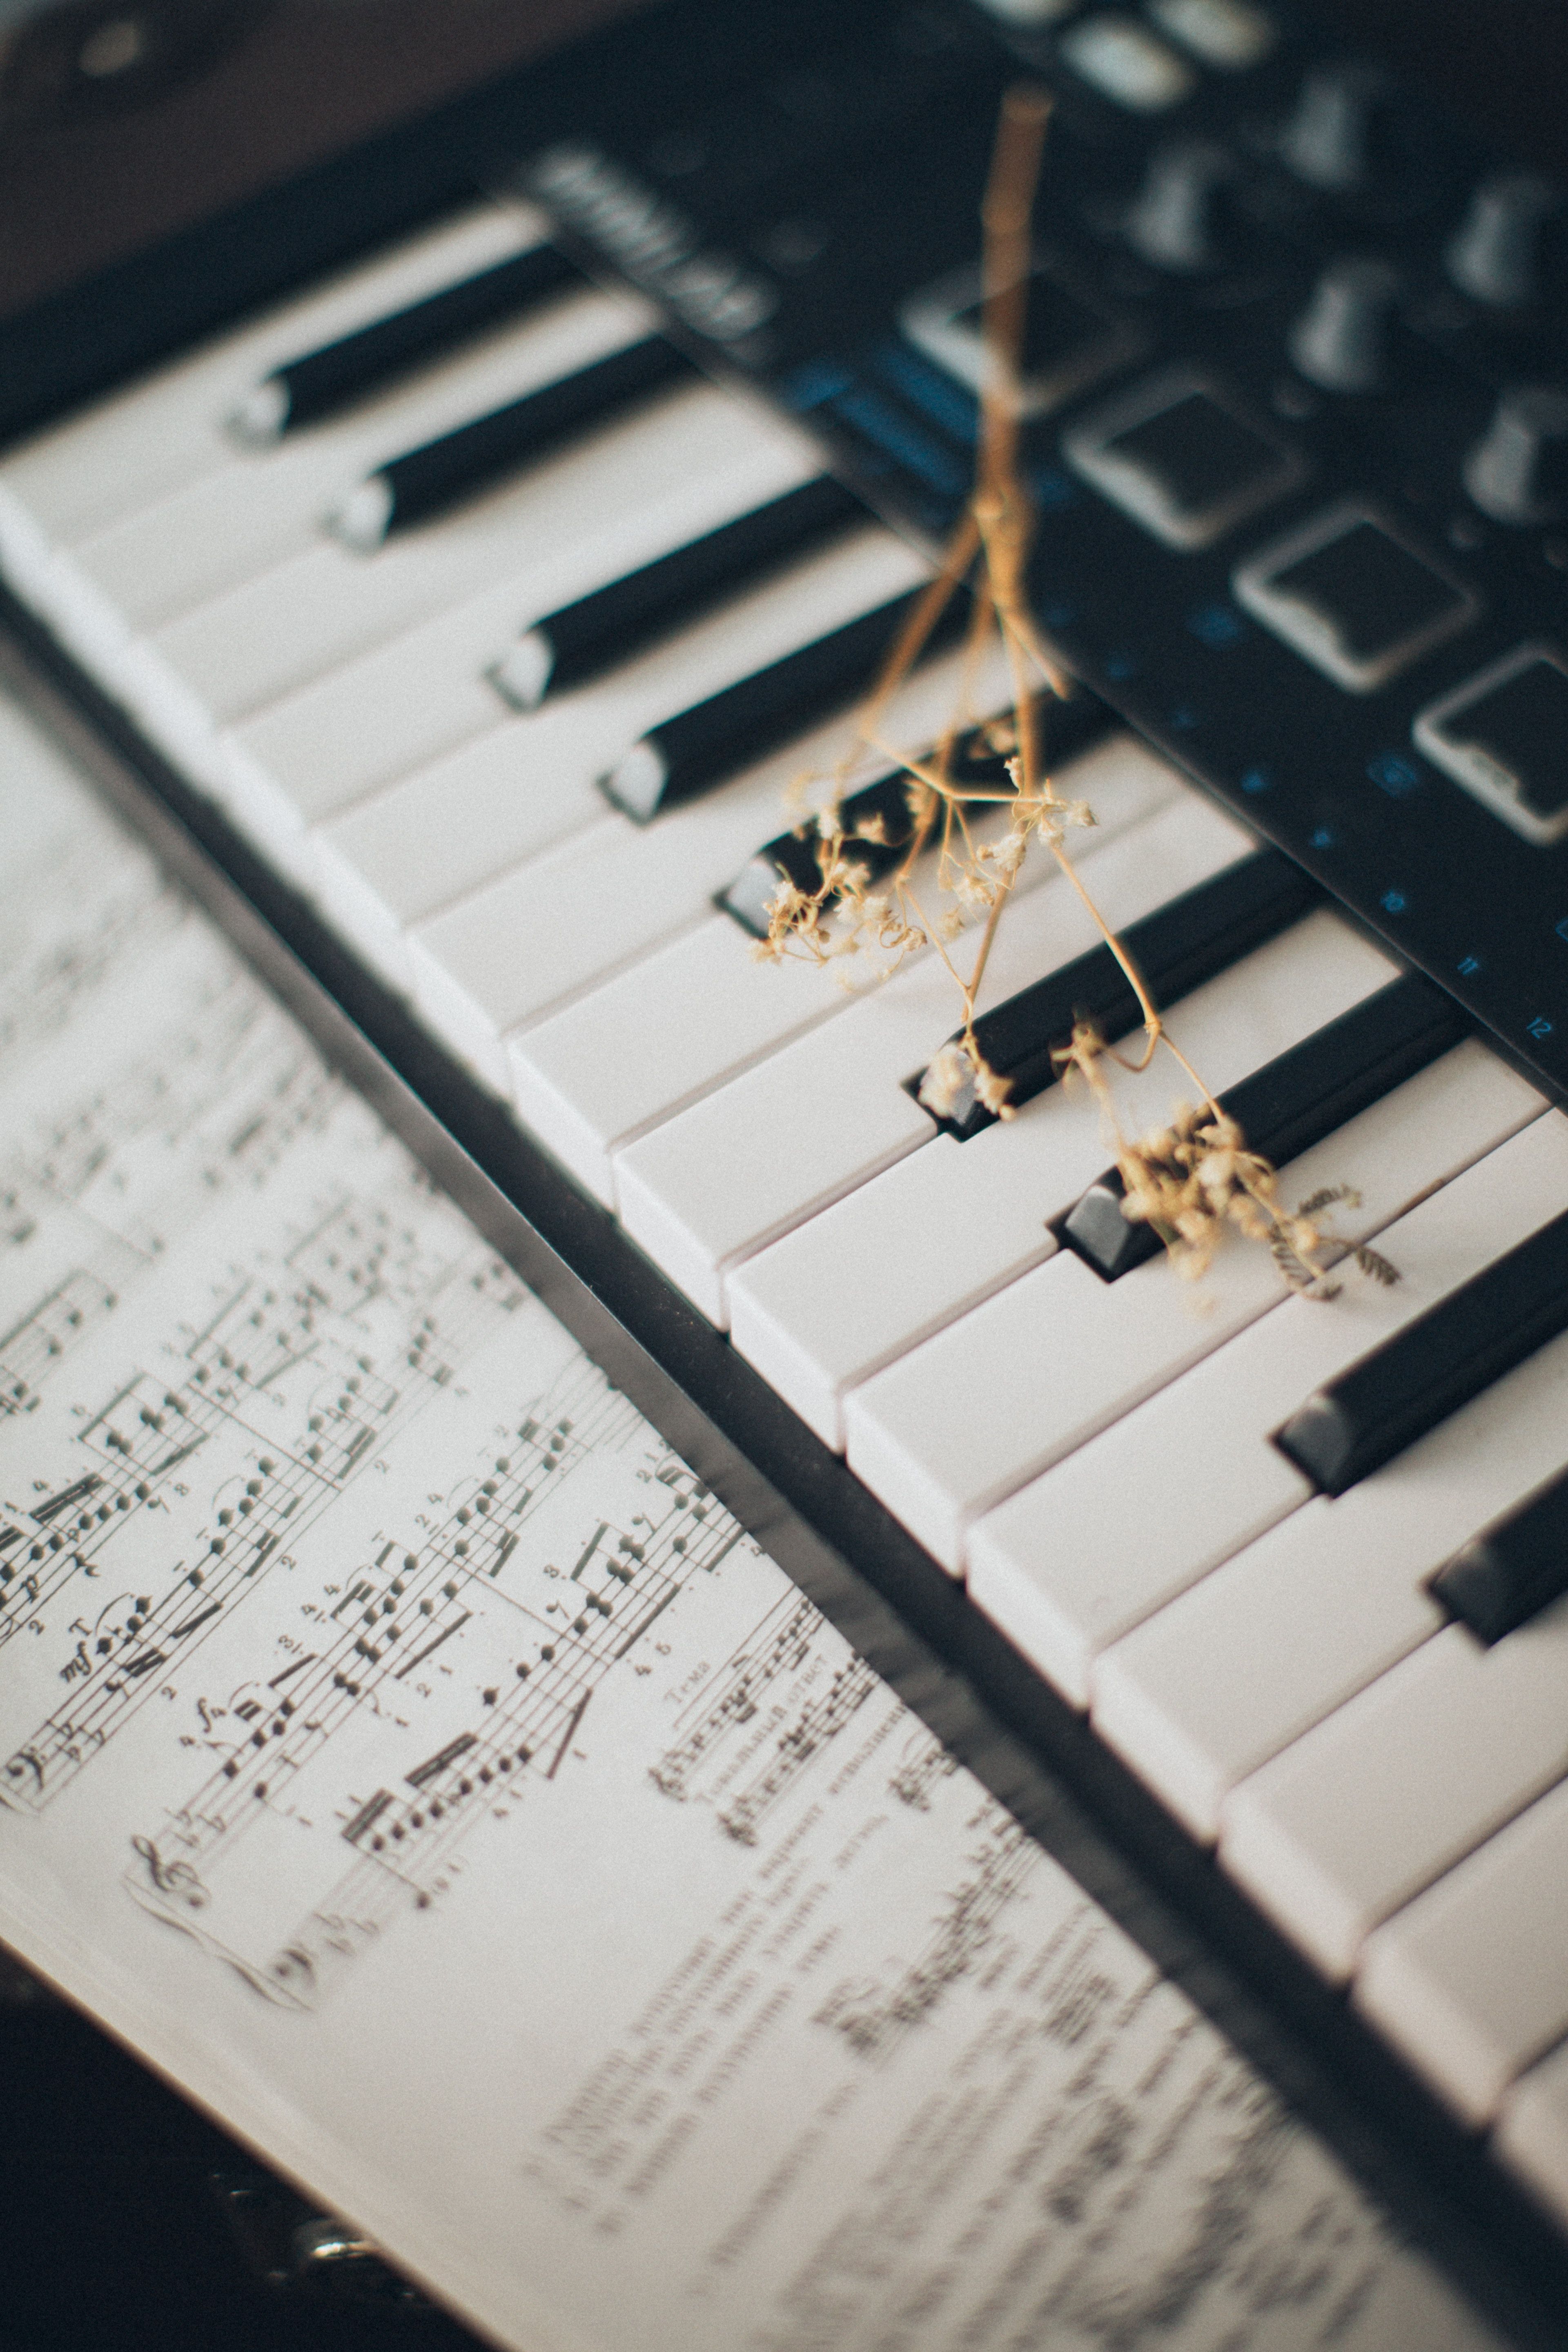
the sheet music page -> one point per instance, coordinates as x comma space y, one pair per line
401, 1748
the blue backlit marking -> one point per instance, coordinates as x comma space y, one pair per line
1469, 967
1562, 928
1394, 902
1217, 626
1121, 666
1059, 616
906, 443
938, 395
1540, 1026
1258, 780
1184, 719
1395, 773
819, 380
1324, 839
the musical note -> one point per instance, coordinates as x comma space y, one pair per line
808, 1709
874, 2019
280, 1402
629, 1570
34, 1347
916, 1779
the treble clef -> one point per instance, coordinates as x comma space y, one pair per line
175, 1879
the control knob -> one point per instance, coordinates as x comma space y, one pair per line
1518, 472
1328, 140
1494, 255
1171, 222
1340, 341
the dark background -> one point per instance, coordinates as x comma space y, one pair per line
83, 181
1501, 63
292, 81
115, 2232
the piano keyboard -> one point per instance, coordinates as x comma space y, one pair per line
467, 600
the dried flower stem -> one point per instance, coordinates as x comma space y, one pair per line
1192, 1178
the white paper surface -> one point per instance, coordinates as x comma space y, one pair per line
401, 1748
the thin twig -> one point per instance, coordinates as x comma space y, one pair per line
1195, 1176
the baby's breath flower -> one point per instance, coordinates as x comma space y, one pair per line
1193, 1181
992, 1092
947, 1075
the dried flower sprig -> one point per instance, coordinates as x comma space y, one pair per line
988, 550
1196, 1178
1192, 1178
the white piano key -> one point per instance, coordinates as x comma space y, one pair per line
259, 642
1122, 1525
406, 702
141, 443
783, 1140
262, 641
1210, 1686
640, 1049
404, 853
1470, 1980
832, 1303
1399, 1784
267, 637
701, 1009
416, 845
1532, 2136
528, 939
242, 519
1020, 1381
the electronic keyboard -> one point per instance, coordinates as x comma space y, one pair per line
473, 568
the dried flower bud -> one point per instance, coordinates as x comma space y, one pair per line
949, 1075
993, 1092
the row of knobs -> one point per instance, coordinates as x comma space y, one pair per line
1494, 255
1333, 140
1518, 470
1330, 143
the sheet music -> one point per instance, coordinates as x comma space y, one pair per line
401, 1748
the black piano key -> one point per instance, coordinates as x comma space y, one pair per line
1292, 1103
1175, 949
1399, 1392
1065, 727
699, 747
1512, 1570
409, 489
321, 382
595, 633
883, 806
